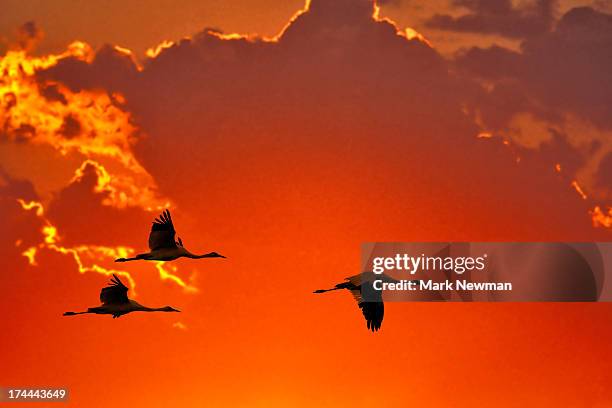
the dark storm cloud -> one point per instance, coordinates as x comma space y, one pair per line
105, 224
567, 69
52, 93
604, 177
349, 97
28, 35
494, 62
561, 78
498, 17
110, 69
11, 188
71, 127
570, 67
20, 229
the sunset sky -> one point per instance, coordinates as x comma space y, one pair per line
284, 135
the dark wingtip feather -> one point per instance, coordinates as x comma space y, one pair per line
165, 216
116, 281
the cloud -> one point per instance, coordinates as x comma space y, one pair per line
105, 224
85, 124
11, 188
341, 114
566, 69
19, 231
335, 78
561, 81
179, 325
28, 36
498, 17
87, 257
110, 68
49, 129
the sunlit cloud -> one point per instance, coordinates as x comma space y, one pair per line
168, 272
408, 32
601, 218
91, 123
527, 131
179, 325
30, 254
84, 256
153, 52
88, 257
579, 190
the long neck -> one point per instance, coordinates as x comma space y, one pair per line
137, 306
194, 256
152, 309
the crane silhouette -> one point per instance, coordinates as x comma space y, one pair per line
162, 244
368, 299
115, 302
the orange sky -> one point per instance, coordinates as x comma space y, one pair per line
285, 157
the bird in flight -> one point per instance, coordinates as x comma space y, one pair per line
368, 299
162, 244
115, 302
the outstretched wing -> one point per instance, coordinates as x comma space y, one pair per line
373, 309
162, 232
115, 293
373, 313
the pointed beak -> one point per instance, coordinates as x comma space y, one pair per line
175, 310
